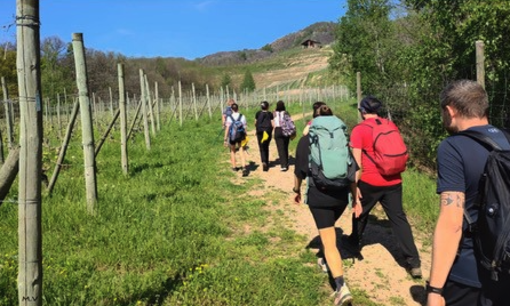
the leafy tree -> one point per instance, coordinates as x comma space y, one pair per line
56, 72
8, 70
364, 43
226, 81
268, 48
248, 82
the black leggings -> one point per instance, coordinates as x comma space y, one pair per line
282, 143
326, 216
264, 147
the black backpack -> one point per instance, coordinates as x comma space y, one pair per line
491, 232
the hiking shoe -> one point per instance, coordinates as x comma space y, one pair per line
245, 172
235, 169
283, 169
343, 296
322, 264
415, 272
265, 167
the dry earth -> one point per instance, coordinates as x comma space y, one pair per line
380, 274
295, 69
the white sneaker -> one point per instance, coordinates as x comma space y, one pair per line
322, 264
343, 296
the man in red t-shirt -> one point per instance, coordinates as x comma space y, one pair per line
373, 188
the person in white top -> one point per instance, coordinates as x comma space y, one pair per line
229, 120
282, 141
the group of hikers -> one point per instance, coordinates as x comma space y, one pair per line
471, 240
235, 137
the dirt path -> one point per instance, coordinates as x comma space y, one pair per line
379, 274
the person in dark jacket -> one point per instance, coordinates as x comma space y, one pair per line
264, 124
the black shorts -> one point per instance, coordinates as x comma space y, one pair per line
326, 216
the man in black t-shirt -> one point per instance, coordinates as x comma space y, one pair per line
264, 124
456, 277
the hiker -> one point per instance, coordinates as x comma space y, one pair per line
281, 117
315, 106
232, 140
457, 276
264, 125
375, 186
227, 111
326, 205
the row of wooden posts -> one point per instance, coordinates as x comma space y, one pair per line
30, 150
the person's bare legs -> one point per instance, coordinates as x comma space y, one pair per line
233, 155
243, 156
328, 237
333, 258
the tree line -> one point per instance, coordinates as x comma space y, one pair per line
57, 72
408, 50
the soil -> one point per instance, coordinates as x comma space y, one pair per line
381, 273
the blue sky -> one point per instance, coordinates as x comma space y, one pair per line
174, 28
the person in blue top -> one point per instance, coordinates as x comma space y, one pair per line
456, 277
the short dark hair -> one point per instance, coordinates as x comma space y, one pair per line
369, 105
280, 106
235, 107
264, 105
316, 106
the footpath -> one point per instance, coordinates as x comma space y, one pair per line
380, 274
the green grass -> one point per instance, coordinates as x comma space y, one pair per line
174, 231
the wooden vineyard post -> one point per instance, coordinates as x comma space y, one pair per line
8, 116
123, 121
144, 111
194, 101
148, 99
137, 111
180, 103
358, 91
63, 149
208, 101
107, 132
28, 65
59, 122
111, 101
158, 106
86, 121
480, 63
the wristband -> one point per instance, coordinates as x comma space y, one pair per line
431, 289
296, 190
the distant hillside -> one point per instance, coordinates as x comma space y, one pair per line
322, 32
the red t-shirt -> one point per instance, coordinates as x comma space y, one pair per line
361, 138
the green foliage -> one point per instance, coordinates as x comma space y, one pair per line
226, 80
248, 83
9, 72
407, 59
268, 48
243, 56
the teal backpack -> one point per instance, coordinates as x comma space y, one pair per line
331, 164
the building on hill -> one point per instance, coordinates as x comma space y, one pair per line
311, 44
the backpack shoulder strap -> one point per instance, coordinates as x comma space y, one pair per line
481, 138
